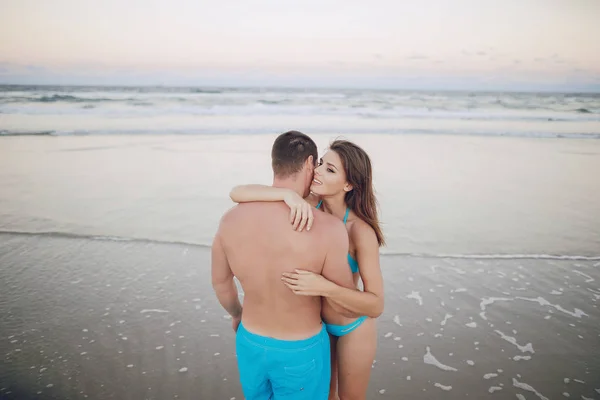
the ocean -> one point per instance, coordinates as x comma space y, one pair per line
78, 110
110, 197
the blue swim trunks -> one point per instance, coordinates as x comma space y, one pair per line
283, 369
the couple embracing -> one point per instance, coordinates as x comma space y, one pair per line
306, 330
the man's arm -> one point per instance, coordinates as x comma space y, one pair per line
336, 268
222, 280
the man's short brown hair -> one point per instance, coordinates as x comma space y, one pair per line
290, 151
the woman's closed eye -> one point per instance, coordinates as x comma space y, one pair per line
329, 169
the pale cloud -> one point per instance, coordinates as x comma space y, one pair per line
415, 57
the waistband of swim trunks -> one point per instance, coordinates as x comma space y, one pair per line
280, 343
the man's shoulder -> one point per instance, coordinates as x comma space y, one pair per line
329, 223
244, 210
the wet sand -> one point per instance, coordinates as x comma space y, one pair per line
438, 194
105, 319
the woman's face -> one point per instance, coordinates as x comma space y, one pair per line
330, 177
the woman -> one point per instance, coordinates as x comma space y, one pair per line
343, 187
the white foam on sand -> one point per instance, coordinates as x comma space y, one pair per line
459, 290
446, 318
443, 387
521, 397
416, 296
471, 362
387, 335
472, 324
153, 311
588, 278
428, 358
518, 358
524, 386
494, 389
397, 320
527, 348
577, 313
486, 301
490, 375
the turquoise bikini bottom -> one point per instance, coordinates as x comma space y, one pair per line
341, 330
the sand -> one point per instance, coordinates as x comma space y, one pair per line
492, 272
102, 319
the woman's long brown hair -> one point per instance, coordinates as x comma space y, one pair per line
361, 199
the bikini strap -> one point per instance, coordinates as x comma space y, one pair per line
345, 216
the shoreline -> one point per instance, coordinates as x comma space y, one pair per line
382, 253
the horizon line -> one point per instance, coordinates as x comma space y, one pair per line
540, 89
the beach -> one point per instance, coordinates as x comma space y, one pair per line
103, 319
491, 272
124, 127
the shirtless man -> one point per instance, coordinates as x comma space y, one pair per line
281, 343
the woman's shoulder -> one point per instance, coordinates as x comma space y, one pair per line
361, 233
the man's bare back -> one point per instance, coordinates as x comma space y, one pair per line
260, 245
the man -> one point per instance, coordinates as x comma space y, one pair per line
281, 344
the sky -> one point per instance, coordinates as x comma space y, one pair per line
527, 44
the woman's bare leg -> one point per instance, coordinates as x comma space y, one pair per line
355, 355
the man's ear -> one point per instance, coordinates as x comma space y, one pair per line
311, 162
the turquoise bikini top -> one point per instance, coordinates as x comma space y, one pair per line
353, 263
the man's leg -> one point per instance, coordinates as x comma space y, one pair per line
251, 359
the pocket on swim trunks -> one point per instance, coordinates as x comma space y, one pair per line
300, 371
297, 382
